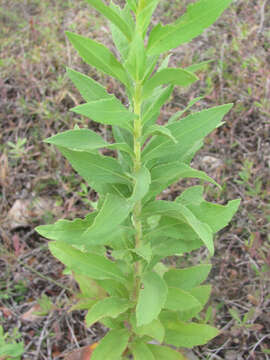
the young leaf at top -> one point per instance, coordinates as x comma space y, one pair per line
135, 62
97, 55
144, 15
152, 297
197, 18
121, 42
112, 16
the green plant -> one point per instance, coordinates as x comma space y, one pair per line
17, 150
9, 348
116, 253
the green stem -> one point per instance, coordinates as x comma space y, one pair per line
137, 166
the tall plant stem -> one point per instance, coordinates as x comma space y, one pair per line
137, 166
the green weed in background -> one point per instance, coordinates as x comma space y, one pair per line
9, 348
132, 291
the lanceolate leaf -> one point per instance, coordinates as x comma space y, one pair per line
99, 56
95, 168
168, 76
83, 139
113, 212
113, 16
84, 263
89, 89
187, 335
152, 298
107, 111
188, 132
198, 17
144, 15
109, 307
187, 278
132, 5
112, 345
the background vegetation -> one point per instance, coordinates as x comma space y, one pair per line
38, 186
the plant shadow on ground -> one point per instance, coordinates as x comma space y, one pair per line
35, 97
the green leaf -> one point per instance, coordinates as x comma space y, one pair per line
99, 56
182, 213
89, 288
165, 353
159, 130
109, 307
120, 41
168, 76
112, 345
175, 117
187, 335
155, 329
141, 186
89, 89
201, 293
165, 175
180, 300
135, 63
107, 111
215, 215
113, 212
152, 298
187, 132
95, 168
112, 16
152, 105
197, 18
144, 251
66, 230
92, 265
145, 14
187, 278
114, 288
13, 350
132, 5
140, 351
83, 139
171, 247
